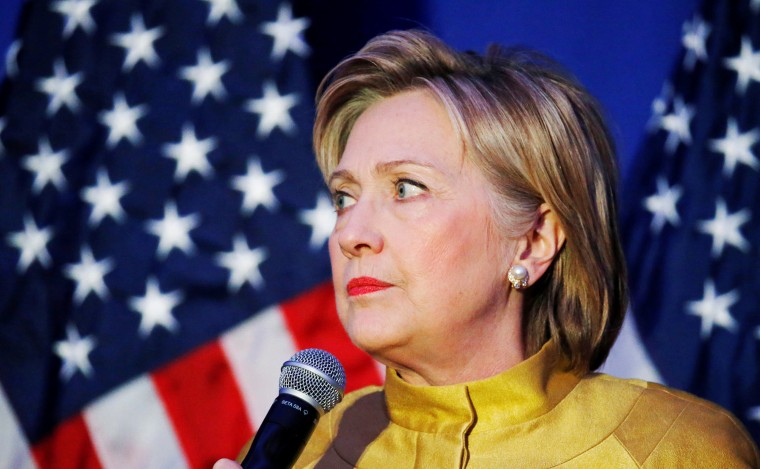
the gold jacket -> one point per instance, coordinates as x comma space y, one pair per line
534, 415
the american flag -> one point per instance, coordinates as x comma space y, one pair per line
691, 221
162, 230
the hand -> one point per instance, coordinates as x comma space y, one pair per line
226, 464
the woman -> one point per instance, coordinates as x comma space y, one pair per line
476, 255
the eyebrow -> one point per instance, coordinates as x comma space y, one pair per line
381, 168
340, 174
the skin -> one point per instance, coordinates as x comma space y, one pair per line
226, 464
414, 213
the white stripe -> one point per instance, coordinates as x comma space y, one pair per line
380, 368
629, 358
130, 428
14, 450
256, 350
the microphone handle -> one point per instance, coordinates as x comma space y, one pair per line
282, 435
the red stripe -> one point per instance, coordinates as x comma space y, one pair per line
204, 403
313, 322
68, 447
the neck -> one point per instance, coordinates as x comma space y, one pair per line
484, 354
462, 374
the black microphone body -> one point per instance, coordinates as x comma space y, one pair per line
282, 435
312, 382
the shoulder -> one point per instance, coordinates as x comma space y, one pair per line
666, 427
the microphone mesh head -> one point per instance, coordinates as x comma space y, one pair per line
296, 375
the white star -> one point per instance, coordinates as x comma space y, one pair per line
173, 231
677, 125
321, 219
75, 353
32, 242
714, 310
11, 58
243, 264
2, 127
757, 333
659, 106
746, 65
88, 275
139, 43
736, 147
77, 13
287, 33
46, 166
206, 76
754, 5
257, 187
754, 412
121, 121
274, 110
663, 205
191, 154
155, 308
695, 34
60, 88
220, 8
105, 198
724, 228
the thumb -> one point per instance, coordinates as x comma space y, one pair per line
226, 464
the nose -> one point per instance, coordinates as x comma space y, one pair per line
358, 230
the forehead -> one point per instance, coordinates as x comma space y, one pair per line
412, 125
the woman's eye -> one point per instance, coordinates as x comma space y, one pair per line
342, 201
406, 188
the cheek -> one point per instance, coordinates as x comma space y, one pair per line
337, 263
337, 259
457, 256
453, 244
432, 263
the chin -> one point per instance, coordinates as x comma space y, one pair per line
375, 341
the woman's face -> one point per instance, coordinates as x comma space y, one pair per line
418, 268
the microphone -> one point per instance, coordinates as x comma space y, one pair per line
312, 382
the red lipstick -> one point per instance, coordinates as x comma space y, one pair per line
364, 285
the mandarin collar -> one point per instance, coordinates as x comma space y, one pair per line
522, 393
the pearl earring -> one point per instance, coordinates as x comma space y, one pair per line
518, 277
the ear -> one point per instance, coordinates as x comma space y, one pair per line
542, 243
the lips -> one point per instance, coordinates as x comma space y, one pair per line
365, 285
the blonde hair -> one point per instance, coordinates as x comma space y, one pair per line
538, 137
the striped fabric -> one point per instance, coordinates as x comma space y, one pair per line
198, 408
